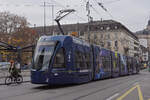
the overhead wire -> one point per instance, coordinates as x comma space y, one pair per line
66, 8
94, 9
49, 4
110, 2
105, 9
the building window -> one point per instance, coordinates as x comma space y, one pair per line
102, 28
135, 48
108, 36
136, 43
101, 35
108, 28
109, 44
116, 27
116, 43
96, 27
116, 37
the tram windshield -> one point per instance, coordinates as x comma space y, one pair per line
43, 54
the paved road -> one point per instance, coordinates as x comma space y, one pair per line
136, 87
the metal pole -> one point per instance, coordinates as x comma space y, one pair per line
44, 20
19, 60
88, 10
52, 19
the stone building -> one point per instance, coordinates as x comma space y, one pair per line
114, 36
106, 33
144, 35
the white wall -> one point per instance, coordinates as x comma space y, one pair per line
143, 42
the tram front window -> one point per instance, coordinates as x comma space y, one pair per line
43, 54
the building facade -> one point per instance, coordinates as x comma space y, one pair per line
114, 36
144, 37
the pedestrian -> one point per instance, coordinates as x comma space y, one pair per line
13, 70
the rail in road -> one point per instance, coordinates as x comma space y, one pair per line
134, 87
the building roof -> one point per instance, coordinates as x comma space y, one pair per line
112, 24
143, 32
82, 27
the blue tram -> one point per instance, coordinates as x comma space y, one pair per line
62, 60
101, 63
123, 65
69, 60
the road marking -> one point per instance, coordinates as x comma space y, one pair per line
126, 93
112, 97
130, 90
139, 92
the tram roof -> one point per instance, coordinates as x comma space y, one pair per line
63, 37
56, 37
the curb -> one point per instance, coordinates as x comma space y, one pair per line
22, 76
22, 82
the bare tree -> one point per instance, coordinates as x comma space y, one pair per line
24, 37
11, 23
15, 30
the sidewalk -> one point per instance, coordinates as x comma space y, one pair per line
4, 73
25, 79
24, 73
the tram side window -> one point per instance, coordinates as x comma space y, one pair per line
103, 61
98, 64
87, 60
77, 59
129, 63
59, 60
115, 62
106, 63
79, 62
84, 61
122, 60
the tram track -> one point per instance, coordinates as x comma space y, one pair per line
91, 93
105, 88
72, 89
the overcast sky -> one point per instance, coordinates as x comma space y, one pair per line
134, 14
